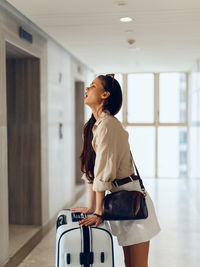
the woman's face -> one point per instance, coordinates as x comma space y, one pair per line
95, 94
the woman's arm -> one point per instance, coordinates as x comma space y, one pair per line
91, 203
99, 202
92, 198
99, 211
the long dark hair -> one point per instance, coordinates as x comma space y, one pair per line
113, 104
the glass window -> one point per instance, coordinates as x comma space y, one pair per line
198, 114
194, 151
194, 85
183, 157
119, 78
194, 106
172, 151
140, 98
183, 96
172, 97
142, 144
183, 137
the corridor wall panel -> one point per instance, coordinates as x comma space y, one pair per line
10, 21
59, 115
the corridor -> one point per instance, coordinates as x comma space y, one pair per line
145, 57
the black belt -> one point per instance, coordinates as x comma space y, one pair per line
118, 182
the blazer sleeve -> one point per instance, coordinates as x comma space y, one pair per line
105, 162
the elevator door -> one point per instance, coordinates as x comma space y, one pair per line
79, 123
23, 128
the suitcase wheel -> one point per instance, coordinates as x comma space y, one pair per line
68, 258
102, 257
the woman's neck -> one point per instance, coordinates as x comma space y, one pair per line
97, 112
96, 115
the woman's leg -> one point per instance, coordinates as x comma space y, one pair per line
127, 259
137, 255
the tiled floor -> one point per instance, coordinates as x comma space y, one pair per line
177, 245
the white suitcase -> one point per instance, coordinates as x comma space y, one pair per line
82, 246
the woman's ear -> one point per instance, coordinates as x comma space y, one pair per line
105, 95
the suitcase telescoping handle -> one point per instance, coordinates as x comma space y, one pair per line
86, 255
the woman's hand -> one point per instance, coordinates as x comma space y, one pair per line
90, 221
95, 219
85, 210
91, 204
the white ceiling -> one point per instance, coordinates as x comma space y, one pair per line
166, 33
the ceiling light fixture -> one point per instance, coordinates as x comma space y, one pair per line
126, 19
131, 41
121, 3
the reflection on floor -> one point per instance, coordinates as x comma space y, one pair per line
177, 245
19, 235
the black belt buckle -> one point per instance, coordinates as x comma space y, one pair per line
135, 177
115, 183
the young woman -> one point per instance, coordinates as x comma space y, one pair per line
105, 157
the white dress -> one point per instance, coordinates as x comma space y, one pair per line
113, 160
136, 231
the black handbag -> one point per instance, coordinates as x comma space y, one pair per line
126, 205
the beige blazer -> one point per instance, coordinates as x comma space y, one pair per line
113, 160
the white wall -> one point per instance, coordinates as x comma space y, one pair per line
10, 21
63, 71
58, 112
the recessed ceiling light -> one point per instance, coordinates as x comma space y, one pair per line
131, 41
121, 3
126, 19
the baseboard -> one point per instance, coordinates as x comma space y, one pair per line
21, 254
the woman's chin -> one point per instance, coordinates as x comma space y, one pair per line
86, 102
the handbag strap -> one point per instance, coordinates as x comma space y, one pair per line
140, 180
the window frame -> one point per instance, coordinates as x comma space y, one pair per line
156, 123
